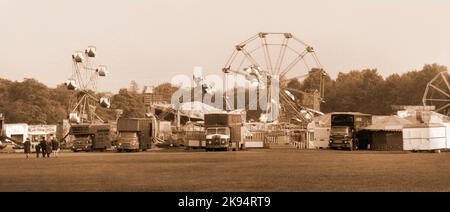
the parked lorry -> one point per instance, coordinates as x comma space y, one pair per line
224, 131
346, 130
135, 134
91, 137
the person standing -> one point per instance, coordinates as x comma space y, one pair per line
49, 148
44, 146
27, 147
55, 147
38, 149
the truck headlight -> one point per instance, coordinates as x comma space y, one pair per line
223, 141
209, 142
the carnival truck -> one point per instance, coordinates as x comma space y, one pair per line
135, 134
224, 131
91, 137
346, 130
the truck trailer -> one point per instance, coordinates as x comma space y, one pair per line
135, 134
91, 137
224, 131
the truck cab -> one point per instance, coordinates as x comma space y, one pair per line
218, 138
82, 143
135, 134
128, 141
90, 137
224, 131
341, 137
345, 130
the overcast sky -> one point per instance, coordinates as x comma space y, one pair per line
150, 41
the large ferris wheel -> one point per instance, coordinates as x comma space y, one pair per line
281, 56
84, 80
437, 93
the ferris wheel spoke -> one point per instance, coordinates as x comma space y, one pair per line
255, 49
306, 65
443, 107
267, 57
249, 40
78, 103
250, 58
445, 80
293, 63
281, 55
438, 100
300, 41
295, 51
316, 59
233, 56
440, 90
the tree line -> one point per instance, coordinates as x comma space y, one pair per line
364, 91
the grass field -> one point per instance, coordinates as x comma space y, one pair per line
254, 170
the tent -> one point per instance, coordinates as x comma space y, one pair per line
388, 123
385, 133
426, 137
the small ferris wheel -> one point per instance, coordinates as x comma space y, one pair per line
84, 80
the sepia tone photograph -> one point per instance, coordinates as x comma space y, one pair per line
224, 96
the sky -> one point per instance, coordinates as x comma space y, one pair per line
150, 41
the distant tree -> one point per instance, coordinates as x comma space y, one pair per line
131, 104
165, 89
31, 102
356, 91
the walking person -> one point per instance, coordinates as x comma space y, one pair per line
27, 147
55, 147
44, 146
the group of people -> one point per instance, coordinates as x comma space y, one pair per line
44, 147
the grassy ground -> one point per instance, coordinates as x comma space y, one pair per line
255, 170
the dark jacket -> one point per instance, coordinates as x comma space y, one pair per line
38, 148
55, 144
44, 145
49, 147
27, 146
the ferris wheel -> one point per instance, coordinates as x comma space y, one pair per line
84, 80
437, 93
281, 56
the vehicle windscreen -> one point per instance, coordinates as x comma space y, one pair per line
82, 139
339, 130
221, 131
342, 120
127, 135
